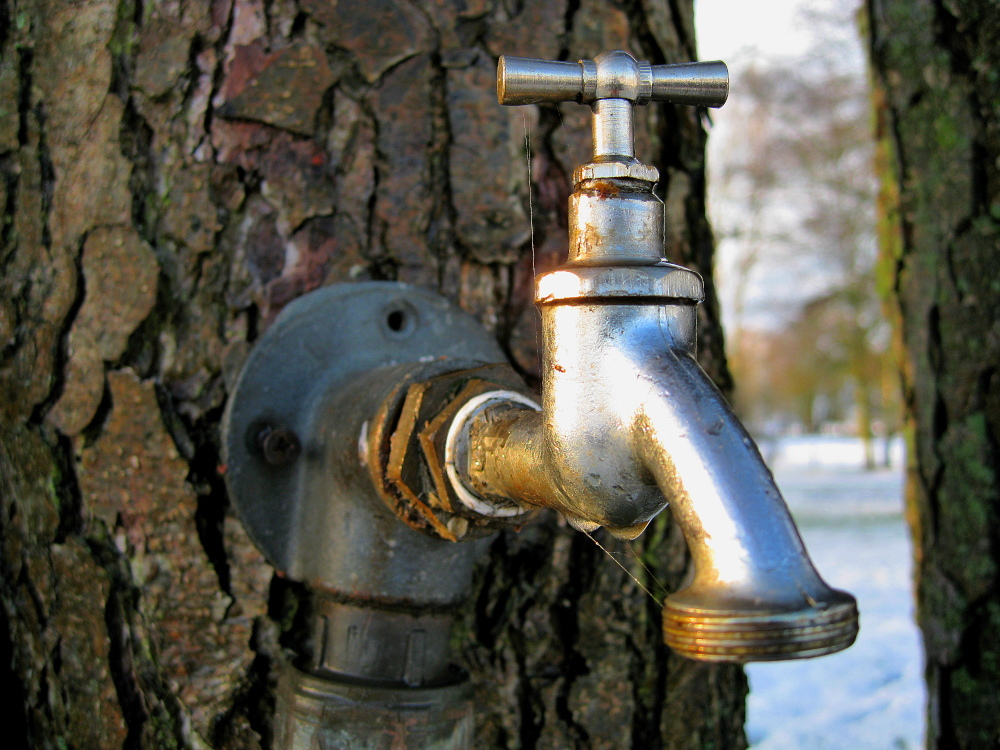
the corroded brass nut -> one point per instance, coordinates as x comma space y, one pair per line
411, 466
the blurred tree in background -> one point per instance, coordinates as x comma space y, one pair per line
937, 73
796, 206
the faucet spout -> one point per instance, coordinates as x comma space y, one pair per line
631, 424
754, 594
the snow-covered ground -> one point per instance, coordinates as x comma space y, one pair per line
871, 696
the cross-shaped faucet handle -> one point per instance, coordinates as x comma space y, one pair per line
612, 75
612, 83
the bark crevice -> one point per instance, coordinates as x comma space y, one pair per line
372, 167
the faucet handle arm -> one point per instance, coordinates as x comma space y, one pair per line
702, 84
612, 75
524, 80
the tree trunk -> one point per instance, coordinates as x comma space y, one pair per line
172, 176
937, 66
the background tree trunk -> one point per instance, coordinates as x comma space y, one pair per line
173, 174
937, 66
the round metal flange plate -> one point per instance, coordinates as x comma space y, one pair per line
326, 338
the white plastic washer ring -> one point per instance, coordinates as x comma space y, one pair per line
457, 431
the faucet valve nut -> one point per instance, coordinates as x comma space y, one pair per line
406, 449
610, 170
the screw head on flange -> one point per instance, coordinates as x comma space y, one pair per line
279, 446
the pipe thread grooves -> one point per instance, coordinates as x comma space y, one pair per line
769, 636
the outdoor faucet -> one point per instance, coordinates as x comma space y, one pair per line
629, 422
337, 434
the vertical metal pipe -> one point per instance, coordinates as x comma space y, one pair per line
612, 129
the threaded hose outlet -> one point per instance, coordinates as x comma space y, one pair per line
731, 635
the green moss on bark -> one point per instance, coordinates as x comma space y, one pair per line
937, 65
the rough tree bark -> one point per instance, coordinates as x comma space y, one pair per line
937, 65
175, 173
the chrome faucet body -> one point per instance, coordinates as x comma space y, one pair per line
629, 421
336, 435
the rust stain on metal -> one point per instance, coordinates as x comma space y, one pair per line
388, 450
378, 449
605, 188
399, 439
428, 514
429, 437
434, 464
587, 240
401, 459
